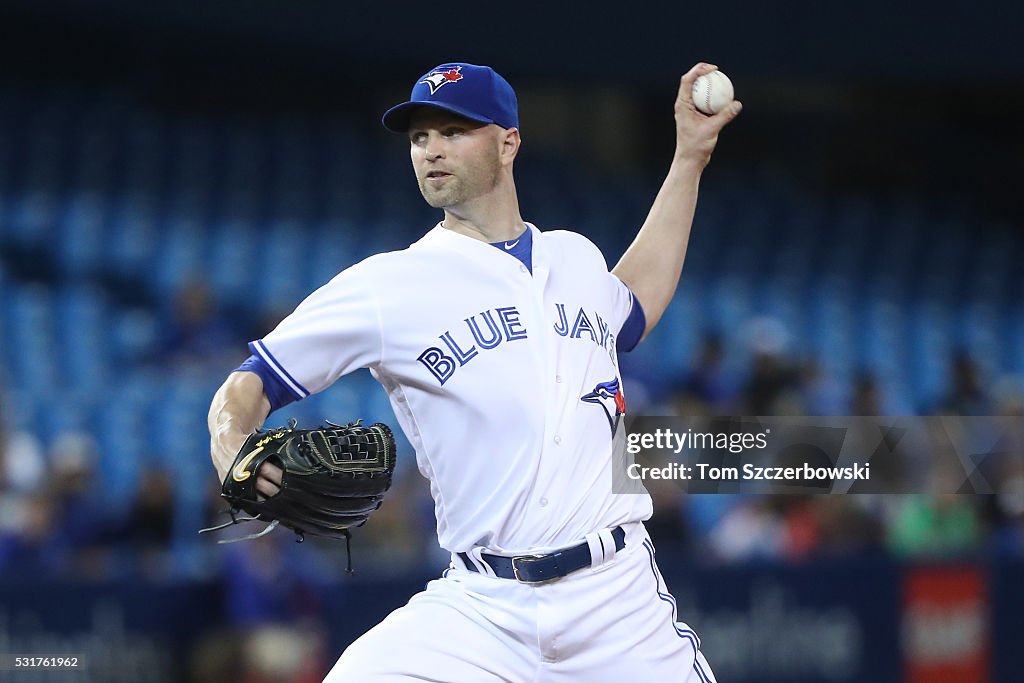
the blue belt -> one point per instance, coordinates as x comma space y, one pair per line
541, 568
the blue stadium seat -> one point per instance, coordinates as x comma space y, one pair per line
83, 335
335, 247
179, 257
121, 431
1013, 333
931, 351
32, 327
133, 235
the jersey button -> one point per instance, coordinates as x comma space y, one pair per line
522, 269
558, 439
558, 379
543, 502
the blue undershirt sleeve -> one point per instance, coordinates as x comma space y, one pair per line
633, 329
277, 392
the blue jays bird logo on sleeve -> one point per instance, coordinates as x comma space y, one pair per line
609, 396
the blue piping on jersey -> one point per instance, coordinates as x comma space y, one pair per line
700, 671
667, 598
261, 350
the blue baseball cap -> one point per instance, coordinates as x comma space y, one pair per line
476, 92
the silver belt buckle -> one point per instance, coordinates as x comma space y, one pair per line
515, 567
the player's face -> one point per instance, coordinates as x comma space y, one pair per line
455, 159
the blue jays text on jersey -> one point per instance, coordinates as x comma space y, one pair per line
508, 443
503, 324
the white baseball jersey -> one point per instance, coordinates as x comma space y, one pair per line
505, 382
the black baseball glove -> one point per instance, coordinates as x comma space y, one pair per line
333, 477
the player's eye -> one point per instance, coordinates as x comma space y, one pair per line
417, 138
452, 131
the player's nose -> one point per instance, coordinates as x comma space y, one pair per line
434, 148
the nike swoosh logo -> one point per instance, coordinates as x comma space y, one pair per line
511, 245
240, 473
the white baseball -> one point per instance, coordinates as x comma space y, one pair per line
712, 92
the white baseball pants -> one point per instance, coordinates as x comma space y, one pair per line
616, 623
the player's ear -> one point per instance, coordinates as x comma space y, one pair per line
510, 141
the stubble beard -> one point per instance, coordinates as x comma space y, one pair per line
469, 184
451, 194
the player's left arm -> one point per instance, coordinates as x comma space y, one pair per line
654, 261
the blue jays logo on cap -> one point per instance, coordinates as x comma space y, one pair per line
442, 76
475, 92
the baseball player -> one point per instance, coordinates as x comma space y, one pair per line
497, 345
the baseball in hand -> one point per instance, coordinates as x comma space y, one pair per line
712, 92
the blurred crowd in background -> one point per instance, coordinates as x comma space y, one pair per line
57, 518
141, 249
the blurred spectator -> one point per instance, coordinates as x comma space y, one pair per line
216, 656
944, 525
801, 528
847, 525
668, 528
273, 580
398, 537
864, 399
198, 334
771, 388
266, 654
773, 385
797, 528
22, 472
1008, 397
152, 513
967, 396
81, 519
707, 381
147, 526
284, 654
689, 405
28, 545
752, 530
1004, 511
22, 465
820, 394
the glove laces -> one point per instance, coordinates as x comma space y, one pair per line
299, 536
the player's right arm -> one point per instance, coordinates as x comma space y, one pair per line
334, 331
239, 407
